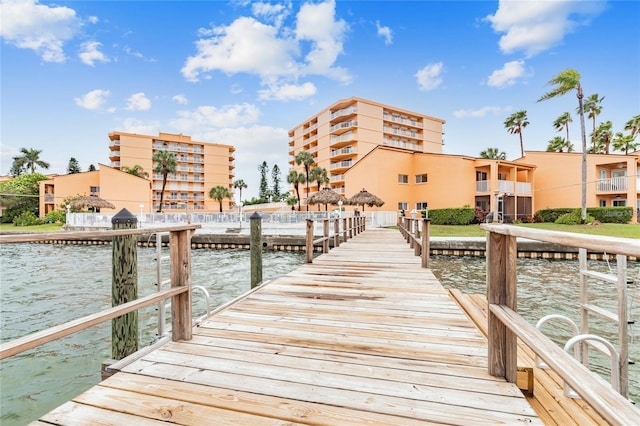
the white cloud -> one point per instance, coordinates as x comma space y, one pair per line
535, 26
508, 75
90, 53
181, 99
430, 76
132, 125
481, 112
287, 92
272, 51
206, 117
41, 28
275, 13
138, 102
385, 32
93, 19
93, 100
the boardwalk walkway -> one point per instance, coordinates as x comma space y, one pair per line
361, 336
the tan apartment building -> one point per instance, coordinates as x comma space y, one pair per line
417, 181
342, 134
612, 179
200, 167
121, 189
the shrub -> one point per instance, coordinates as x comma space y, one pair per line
551, 215
611, 214
459, 216
573, 218
480, 216
55, 216
26, 219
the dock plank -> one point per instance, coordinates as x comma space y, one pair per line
363, 335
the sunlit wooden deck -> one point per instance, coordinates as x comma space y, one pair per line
363, 335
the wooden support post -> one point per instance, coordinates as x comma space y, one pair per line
325, 233
407, 226
309, 241
426, 245
502, 290
412, 233
344, 229
336, 233
180, 253
417, 248
255, 246
350, 227
124, 286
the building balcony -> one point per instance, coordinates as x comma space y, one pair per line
616, 184
311, 127
343, 126
402, 132
344, 112
413, 122
401, 143
504, 186
346, 152
336, 178
115, 164
338, 141
341, 165
292, 142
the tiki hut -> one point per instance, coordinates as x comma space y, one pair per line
91, 202
363, 198
325, 196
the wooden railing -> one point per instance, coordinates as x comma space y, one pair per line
180, 291
506, 326
351, 226
416, 232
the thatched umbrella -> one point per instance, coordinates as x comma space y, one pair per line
363, 198
91, 202
325, 196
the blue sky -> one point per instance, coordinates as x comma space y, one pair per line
244, 73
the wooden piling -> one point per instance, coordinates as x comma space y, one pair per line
124, 286
256, 249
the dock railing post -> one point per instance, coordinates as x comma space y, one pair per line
309, 241
255, 247
350, 227
344, 229
417, 247
124, 286
501, 290
325, 233
180, 253
425, 242
336, 233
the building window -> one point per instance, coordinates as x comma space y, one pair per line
502, 176
403, 178
403, 205
94, 190
422, 205
481, 176
603, 203
421, 178
483, 205
619, 203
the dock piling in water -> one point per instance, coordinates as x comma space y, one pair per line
256, 249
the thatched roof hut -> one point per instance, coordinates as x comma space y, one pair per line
363, 198
91, 202
325, 196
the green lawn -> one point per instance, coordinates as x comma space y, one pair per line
607, 229
10, 227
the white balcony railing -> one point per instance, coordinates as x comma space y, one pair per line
482, 186
505, 186
615, 184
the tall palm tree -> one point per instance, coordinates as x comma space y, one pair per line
603, 137
514, 125
558, 144
135, 170
239, 184
319, 175
625, 143
164, 162
633, 125
565, 82
305, 158
219, 193
494, 154
593, 108
562, 123
296, 179
29, 159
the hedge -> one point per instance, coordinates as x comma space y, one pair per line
459, 216
601, 214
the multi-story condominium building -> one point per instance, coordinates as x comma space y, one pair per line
341, 135
612, 179
200, 167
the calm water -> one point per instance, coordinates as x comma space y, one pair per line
45, 285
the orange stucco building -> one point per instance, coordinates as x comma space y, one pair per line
200, 167
121, 189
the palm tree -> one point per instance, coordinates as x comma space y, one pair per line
494, 154
593, 108
29, 159
239, 184
633, 126
219, 193
562, 123
319, 175
514, 125
135, 170
164, 162
296, 179
305, 158
625, 143
603, 137
565, 82
559, 144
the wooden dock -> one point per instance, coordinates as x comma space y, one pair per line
363, 335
